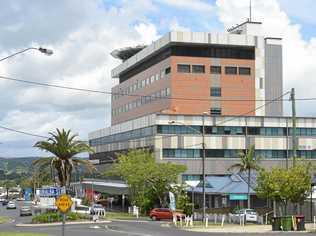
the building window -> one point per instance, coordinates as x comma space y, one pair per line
244, 70
216, 111
216, 92
152, 79
231, 70
167, 70
182, 68
198, 69
216, 69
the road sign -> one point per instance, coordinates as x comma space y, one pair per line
63, 203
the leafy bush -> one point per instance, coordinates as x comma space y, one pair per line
57, 217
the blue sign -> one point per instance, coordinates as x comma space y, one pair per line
50, 192
236, 197
27, 194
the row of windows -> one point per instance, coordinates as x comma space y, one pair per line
141, 101
142, 83
133, 134
234, 153
214, 51
229, 70
234, 130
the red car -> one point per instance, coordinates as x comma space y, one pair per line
164, 214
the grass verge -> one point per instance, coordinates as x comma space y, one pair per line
4, 219
123, 216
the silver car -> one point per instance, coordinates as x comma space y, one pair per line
25, 211
250, 215
11, 205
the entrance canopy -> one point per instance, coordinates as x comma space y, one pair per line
114, 187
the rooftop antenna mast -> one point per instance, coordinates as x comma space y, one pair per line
250, 10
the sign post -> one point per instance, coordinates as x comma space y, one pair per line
63, 203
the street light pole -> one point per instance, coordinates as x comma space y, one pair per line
203, 158
45, 51
203, 163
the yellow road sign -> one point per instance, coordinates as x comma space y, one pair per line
63, 203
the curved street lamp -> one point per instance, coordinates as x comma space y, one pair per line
203, 158
47, 52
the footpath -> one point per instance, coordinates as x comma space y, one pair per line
230, 228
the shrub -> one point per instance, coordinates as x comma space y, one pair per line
57, 217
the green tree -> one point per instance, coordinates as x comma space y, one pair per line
248, 162
64, 146
285, 185
147, 180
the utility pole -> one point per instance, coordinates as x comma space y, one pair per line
203, 163
294, 141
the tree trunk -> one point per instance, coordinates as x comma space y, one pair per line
248, 205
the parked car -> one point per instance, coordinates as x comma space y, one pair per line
249, 214
81, 209
97, 209
11, 205
5, 202
164, 214
25, 211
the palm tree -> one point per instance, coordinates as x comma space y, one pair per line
64, 147
247, 163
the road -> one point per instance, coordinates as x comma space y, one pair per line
115, 228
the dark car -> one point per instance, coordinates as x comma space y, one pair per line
164, 214
25, 211
5, 202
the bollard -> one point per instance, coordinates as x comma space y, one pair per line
215, 218
314, 222
180, 221
175, 220
206, 222
223, 219
191, 221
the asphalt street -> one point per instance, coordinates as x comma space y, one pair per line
120, 228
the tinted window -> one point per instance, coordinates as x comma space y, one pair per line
183, 68
216, 69
216, 92
244, 70
198, 69
167, 70
216, 111
230, 70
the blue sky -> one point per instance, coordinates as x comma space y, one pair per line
83, 35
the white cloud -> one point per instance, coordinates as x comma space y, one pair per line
147, 33
193, 5
175, 26
82, 37
298, 55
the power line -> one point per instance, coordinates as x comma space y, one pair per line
138, 95
153, 138
224, 121
257, 108
22, 132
